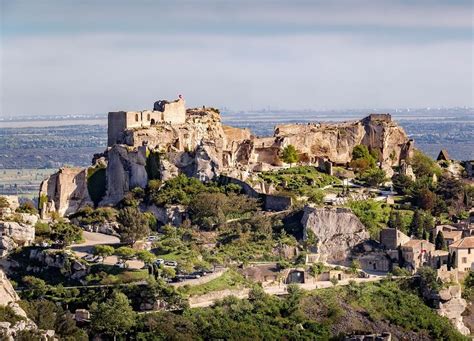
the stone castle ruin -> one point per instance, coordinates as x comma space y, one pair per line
196, 143
163, 112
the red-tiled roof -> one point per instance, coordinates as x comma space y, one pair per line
465, 243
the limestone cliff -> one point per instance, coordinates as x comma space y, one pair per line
337, 231
201, 146
64, 192
125, 171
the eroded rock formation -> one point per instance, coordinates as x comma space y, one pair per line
64, 192
9, 298
201, 146
337, 231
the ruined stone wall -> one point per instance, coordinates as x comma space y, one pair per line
169, 112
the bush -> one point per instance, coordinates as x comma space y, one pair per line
373, 214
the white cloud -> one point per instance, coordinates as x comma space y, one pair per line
96, 73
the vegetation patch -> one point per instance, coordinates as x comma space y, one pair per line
231, 279
302, 180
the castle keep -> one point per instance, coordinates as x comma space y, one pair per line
163, 112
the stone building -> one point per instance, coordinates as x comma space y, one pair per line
462, 254
163, 112
417, 253
391, 239
376, 261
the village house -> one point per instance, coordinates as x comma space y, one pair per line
417, 253
462, 254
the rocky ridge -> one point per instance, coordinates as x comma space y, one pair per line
203, 147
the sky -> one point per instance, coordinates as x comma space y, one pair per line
89, 56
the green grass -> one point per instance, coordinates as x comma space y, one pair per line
300, 180
231, 279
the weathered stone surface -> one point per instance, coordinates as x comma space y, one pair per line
125, 171
7, 293
66, 192
14, 234
452, 305
337, 230
8, 297
201, 146
173, 214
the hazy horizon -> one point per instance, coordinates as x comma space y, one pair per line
65, 57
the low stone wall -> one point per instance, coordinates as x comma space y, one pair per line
217, 295
201, 280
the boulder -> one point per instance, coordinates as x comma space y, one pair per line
337, 231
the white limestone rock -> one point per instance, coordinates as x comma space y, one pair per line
337, 230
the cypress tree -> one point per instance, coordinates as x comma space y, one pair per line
416, 224
440, 243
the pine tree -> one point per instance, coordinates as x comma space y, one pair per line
440, 243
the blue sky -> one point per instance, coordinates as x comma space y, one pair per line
61, 57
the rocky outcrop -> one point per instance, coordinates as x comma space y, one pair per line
335, 142
45, 260
199, 145
125, 171
452, 305
8, 297
64, 192
173, 214
13, 235
337, 231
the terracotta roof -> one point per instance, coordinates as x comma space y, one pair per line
446, 227
452, 234
464, 243
416, 242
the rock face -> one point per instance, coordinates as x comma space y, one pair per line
8, 297
125, 171
452, 305
199, 145
337, 231
64, 192
14, 234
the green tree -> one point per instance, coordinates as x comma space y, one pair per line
133, 224
423, 165
125, 253
153, 165
402, 184
355, 266
65, 233
4, 202
289, 154
169, 272
373, 177
426, 199
113, 317
440, 243
416, 224
146, 256
103, 250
